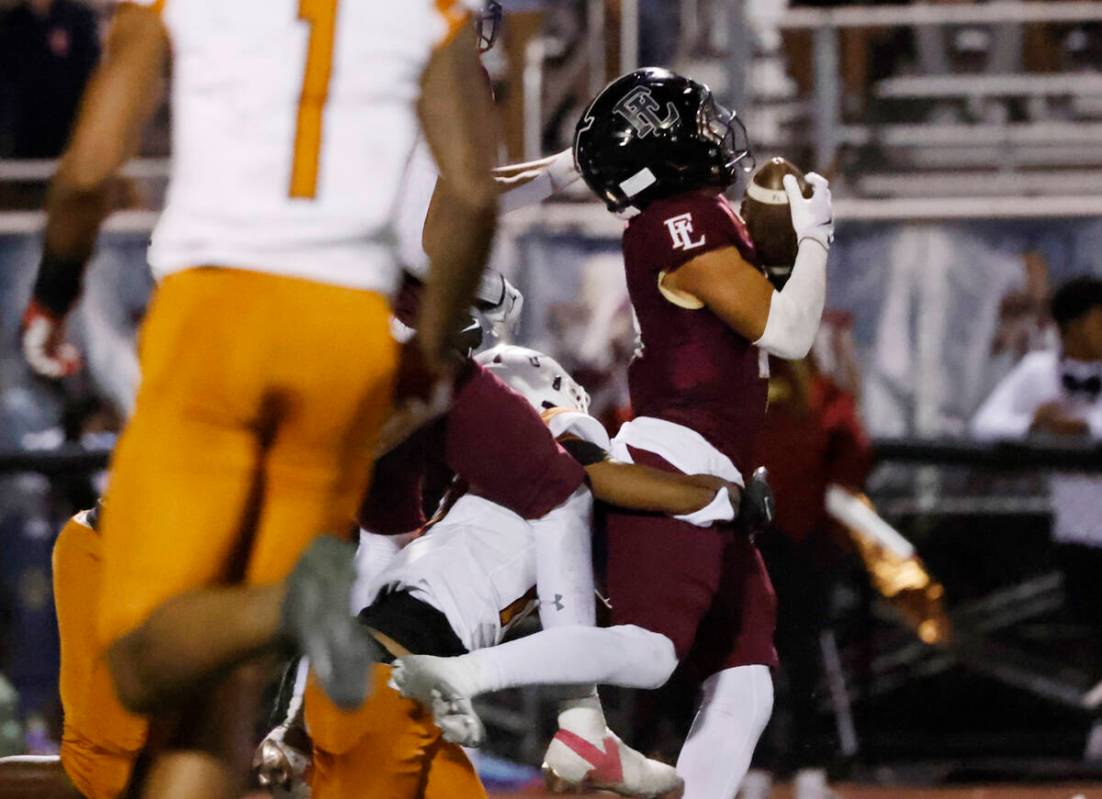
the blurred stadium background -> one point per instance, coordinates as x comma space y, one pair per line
964, 145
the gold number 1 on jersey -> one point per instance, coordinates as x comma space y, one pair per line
322, 17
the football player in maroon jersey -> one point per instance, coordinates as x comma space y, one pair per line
659, 150
517, 513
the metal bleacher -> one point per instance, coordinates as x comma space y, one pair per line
1050, 151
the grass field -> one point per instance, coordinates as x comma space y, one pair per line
849, 791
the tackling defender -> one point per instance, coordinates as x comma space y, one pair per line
657, 148
256, 419
480, 567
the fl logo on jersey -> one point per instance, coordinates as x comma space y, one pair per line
641, 111
681, 232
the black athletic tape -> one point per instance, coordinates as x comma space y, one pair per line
59, 283
584, 452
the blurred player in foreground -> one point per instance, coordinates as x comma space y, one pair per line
512, 534
256, 419
100, 740
424, 216
657, 148
97, 753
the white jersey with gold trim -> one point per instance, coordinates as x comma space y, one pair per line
478, 564
293, 124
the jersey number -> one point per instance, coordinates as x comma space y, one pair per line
322, 17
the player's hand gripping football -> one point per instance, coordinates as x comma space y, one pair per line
42, 338
813, 217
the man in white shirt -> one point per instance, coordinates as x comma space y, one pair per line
1059, 393
1054, 392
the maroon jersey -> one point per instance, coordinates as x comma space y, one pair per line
691, 368
492, 440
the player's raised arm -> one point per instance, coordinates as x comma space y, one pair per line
454, 111
121, 96
782, 322
533, 182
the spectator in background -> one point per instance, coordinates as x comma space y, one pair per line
47, 51
812, 438
1058, 393
1054, 392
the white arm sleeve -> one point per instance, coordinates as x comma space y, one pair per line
532, 192
564, 563
553, 176
795, 311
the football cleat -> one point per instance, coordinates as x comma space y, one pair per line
278, 764
812, 784
316, 616
757, 784
574, 764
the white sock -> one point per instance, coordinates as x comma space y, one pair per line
564, 583
810, 783
735, 708
584, 716
626, 655
564, 563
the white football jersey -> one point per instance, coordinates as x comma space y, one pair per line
293, 123
477, 565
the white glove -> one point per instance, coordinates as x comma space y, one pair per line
278, 764
562, 171
43, 342
458, 721
504, 313
720, 509
812, 218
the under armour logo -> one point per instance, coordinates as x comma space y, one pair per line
559, 603
681, 231
640, 109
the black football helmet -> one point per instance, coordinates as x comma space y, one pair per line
653, 133
488, 25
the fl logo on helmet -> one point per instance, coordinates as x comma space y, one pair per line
641, 110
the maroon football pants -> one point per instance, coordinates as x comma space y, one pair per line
705, 588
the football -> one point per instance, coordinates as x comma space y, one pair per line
766, 213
